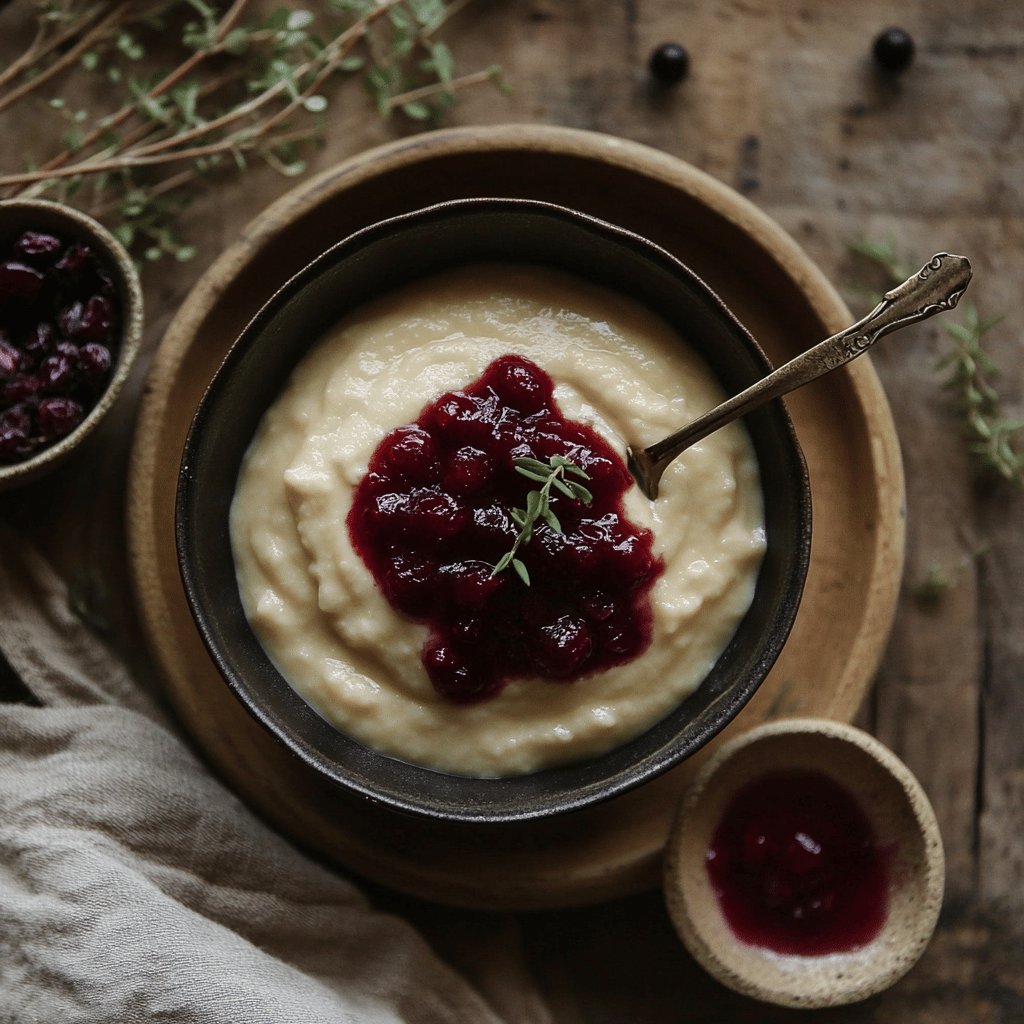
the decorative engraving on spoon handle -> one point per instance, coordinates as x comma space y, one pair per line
935, 288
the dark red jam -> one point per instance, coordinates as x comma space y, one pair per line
796, 869
433, 517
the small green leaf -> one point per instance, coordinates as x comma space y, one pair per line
521, 571
502, 563
580, 492
534, 464
443, 61
532, 474
533, 505
429, 13
277, 19
551, 519
576, 471
236, 42
416, 111
299, 20
72, 139
562, 486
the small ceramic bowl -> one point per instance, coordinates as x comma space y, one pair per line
905, 834
382, 257
20, 215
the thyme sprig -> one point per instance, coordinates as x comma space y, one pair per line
551, 474
994, 440
134, 137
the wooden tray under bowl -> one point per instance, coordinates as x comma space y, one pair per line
843, 423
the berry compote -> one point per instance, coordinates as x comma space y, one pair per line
796, 868
433, 516
59, 320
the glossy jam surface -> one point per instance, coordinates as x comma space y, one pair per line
796, 868
432, 517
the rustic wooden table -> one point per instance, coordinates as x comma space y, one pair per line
783, 104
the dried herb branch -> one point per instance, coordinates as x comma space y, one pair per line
549, 475
240, 88
994, 440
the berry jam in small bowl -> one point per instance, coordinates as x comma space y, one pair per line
458, 440
806, 866
70, 328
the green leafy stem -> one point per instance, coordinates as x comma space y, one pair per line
551, 474
994, 439
184, 90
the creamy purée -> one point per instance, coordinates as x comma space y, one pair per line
314, 604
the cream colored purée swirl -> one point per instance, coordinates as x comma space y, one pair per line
315, 606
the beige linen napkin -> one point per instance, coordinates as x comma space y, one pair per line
135, 888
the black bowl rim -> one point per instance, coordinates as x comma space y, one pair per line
729, 704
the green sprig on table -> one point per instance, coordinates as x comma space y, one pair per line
241, 89
551, 474
993, 438
970, 373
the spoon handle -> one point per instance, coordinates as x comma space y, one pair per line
936, 287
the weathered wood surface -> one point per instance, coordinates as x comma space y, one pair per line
782, 104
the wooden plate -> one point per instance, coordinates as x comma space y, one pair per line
843, 423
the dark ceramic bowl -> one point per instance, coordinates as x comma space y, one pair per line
364, 265
70, 225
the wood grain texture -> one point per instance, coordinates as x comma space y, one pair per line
783, 104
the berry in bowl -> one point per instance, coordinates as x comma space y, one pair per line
70, 327
410, 541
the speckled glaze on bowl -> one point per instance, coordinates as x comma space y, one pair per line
18, 215
366, 264
902, 820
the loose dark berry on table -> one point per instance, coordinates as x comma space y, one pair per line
894, 50
669, 63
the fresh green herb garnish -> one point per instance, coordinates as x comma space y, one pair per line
548, 475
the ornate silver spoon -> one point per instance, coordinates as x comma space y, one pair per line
936, 287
